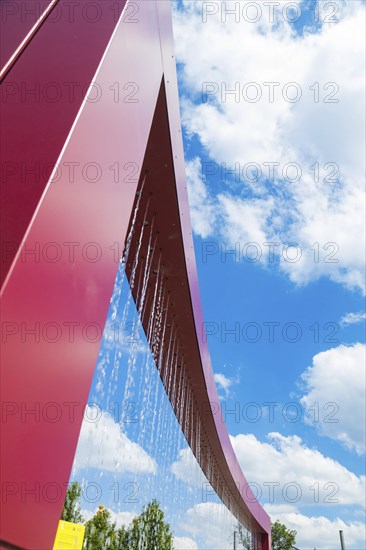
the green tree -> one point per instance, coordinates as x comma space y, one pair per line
282, 538
149, 530
71, 509
100, 532
122, 538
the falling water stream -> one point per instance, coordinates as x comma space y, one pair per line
132, 446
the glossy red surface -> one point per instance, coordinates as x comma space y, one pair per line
40, 98
47, 291
66, 292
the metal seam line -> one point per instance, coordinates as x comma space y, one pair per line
4, 71
2, 290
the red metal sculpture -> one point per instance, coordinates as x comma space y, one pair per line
89, 93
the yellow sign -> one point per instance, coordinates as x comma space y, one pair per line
69, 536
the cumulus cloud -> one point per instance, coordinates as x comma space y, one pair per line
318, 531
184, 543
244, 221
187, 469
336, 382
104, 446
211, 524
297, 474
202, 208
300, 163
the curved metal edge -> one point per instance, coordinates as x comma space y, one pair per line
171, 88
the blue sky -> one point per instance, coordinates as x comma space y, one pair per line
312, 207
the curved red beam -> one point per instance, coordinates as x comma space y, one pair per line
41, 292
164, 207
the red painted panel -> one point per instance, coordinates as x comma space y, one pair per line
40, 293
40, 98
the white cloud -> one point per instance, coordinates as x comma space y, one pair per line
335, 383
297, 474
238, 132
224, 383
125, 336
187, 469
312, 477
244, 221
211, 524
202, 209
318, 531
184, 543
103, 445
352, 318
